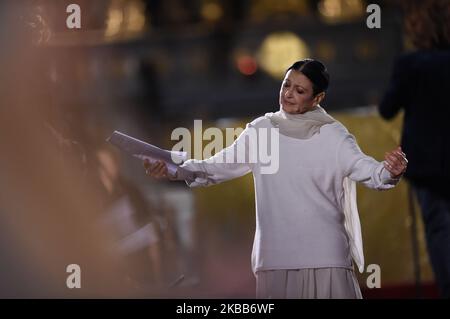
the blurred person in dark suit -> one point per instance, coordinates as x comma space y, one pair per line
419, 85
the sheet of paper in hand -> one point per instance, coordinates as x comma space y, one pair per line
143, 150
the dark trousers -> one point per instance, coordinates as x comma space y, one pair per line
436, 217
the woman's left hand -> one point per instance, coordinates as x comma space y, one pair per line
395, 162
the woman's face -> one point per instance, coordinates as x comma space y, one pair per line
296, 94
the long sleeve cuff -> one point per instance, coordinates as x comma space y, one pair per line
386, 178
199, 176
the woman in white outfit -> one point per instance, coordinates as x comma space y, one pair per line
307, 235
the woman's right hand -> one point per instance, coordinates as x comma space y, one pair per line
157, 169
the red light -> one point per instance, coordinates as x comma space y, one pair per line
247, 65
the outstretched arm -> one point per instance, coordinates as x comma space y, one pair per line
224, 165
365, 169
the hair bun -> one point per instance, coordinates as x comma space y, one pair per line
315, 71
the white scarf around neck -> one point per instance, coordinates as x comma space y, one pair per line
300, 126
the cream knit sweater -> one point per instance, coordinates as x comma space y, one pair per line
300, 208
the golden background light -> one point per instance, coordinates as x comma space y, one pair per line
211, 11
114, 20
125, 18
279, 50
135, 16
336, 11
266, 9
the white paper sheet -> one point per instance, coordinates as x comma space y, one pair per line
143, 150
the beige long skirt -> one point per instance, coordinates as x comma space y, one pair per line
310, 283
